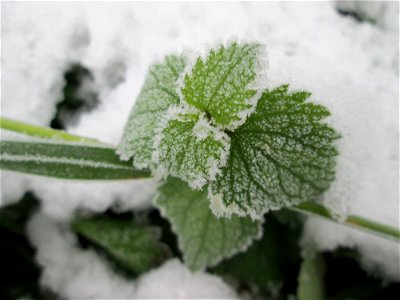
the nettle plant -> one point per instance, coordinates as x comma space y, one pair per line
226, 149
230, 149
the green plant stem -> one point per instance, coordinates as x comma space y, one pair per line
352, 220
42, 132
311, 285
310, 208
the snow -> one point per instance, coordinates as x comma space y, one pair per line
159, 284
71, 272
62, 198
383, 14
81, 274
350, 67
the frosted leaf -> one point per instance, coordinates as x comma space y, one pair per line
203, 239
188, 147
157, 94
281, 156
226, 83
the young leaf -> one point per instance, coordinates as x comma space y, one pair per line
189, 148
203, 239
226, 83
281, 156
135, 247
157, 94
70, 161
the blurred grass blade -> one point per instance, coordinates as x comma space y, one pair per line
69, 161
42, 132
352, 220
311, 278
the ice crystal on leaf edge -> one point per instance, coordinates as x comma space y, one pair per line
203, 239
279, 156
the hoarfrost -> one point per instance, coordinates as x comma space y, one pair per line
156, 96
281, 156
226, 82
187, 146
350, 67
203, 238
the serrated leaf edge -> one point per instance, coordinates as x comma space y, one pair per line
221, 210
259, 83
119, 150
217, 259
214, 166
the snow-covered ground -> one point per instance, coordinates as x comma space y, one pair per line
350, 67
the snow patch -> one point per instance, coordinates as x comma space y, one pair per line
75, 273
174, 281
350, 67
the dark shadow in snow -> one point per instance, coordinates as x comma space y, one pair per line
79, 96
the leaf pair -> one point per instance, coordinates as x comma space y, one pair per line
209, 124
188, 113
245, 149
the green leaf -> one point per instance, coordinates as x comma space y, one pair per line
311, 278
203, 239
70, 161
133, 246
157, 94
226, 83
281, 156
269, 262
190, 148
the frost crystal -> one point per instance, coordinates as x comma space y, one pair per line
203, 239
281, 156
226, 84
157, 94
188, 147
178, 128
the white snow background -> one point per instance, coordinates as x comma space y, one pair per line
351, 67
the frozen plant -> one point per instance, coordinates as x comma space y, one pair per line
209, 121
226, 150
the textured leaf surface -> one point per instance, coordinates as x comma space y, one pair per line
136, 247
190, 148
157, 94
225, 83
281, 156
203, 239
70, 161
